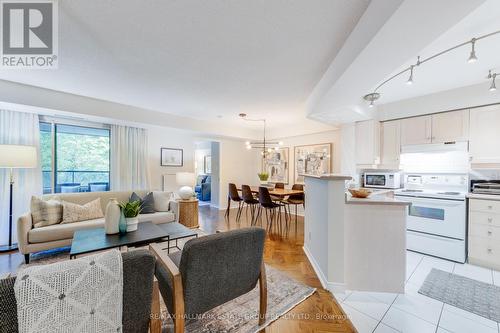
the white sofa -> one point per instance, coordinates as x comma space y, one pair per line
31, 240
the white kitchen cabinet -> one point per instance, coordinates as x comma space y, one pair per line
416, 130
367, 143
484, 233
484, 137
450, 126
390, 133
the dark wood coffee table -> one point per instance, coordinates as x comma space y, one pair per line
91, 240
175, 232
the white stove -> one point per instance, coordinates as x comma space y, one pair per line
436, 221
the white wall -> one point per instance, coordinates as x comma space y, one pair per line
165, 137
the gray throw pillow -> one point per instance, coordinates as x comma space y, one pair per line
147, 203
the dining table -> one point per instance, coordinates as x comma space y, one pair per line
278, 192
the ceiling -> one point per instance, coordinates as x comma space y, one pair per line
388, 37
208, 60
451, 70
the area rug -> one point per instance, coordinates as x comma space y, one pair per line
467, 294
241, 314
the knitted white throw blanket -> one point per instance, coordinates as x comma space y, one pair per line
82, 295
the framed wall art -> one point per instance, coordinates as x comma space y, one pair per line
172, 157
207, 164
312, 159
276, 164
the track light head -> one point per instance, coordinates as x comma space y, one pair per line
472, 56
371, 98
493, 86
410, 79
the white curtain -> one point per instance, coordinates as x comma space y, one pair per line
129, 158
22, 129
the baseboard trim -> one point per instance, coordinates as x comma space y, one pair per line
334, 287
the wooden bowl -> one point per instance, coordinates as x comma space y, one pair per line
360, 192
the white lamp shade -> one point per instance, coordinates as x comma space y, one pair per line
185, 178
18, 156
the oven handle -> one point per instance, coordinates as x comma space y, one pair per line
432, 201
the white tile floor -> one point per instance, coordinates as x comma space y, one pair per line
412, 312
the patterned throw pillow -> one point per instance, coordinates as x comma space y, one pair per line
45, 212
162, 200
74, 212
147, 203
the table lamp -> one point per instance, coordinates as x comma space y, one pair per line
186, 181
15, 157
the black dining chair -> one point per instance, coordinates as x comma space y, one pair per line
296, 199
249, 200
271, 208
232, 195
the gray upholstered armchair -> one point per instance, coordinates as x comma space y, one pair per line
141, 306
211, 271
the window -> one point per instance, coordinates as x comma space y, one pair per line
74, 158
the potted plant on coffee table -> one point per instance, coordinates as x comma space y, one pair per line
130, 211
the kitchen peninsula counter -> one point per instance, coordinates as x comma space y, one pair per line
355, 244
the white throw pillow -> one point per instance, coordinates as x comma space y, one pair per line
162, 200
74, 212
45, 212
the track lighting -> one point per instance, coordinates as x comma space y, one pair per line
375, 95
371, 98
410, 79
492, 76
472, 57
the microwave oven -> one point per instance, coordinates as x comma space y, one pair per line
382, 179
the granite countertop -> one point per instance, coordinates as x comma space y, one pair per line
483, 196
386, 198
329, 176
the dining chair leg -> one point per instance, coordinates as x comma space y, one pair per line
296, 207
228, 207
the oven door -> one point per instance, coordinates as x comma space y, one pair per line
436, 216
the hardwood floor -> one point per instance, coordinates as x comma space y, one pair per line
320, 313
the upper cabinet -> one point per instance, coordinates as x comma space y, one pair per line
450, 126
484, 137
390, 134
416, 130
368, 143
436, 128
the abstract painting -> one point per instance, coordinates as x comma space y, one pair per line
276, 164
313, 160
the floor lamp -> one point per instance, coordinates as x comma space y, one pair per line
15, 157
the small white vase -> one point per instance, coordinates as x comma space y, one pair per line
132, 223
112, 217
263, 182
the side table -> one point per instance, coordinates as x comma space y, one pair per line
188, 212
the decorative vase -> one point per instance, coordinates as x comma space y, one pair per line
263, 182
122, 226
132, 223
112, 217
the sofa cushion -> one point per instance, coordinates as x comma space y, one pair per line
162, 201
75, 213
157, 218
147, 203
45, 212
61, 231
